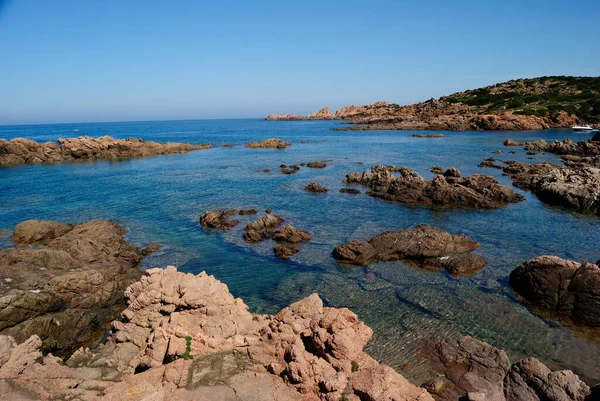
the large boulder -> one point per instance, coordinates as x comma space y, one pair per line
427, 246
450, 190
69, 285
478, 371
564, 286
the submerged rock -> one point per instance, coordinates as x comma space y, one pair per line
64, 283
271, 143
293, 169
21, 151
306, 352
479, 371
477, 191
564, 286
430, 247
313, 187
489, 162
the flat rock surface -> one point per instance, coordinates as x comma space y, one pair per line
25, 151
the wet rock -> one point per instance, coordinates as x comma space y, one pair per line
316, 165
271, 143
437, 170
500, 151
25, 151
289, 234
285, 250
69, 286
293, 169
489, 162
482, 372
306, 352
352, 191
428, 135
247, 212
313, 187
477, 191
266, 222
570, 187
218, 219
510, 142
564, 286
428, 246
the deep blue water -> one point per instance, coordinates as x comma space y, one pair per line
159, 199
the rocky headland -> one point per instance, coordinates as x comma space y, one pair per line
447, 190
26, 151
523, 104
427, 247
65, 283
186, 337
565, 287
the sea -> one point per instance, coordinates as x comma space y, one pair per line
160, 199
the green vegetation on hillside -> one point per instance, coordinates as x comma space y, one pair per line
543, 97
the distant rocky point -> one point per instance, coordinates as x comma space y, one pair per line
523, 104
26, 151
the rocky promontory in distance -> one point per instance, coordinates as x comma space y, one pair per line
27, 151
522, 104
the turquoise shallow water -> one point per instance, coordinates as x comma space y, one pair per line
159, 199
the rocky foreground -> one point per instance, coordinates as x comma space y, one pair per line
428, 247
448, 190
186, 337
26, 151
65, 283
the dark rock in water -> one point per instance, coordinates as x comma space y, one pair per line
21, 151
64, 282
218, 219
271, 143
352, 191
510, 142
531, 153
489, 162
316, 165
437, 170
285, 250
313, 187
499, 151
289, 234
576, 187
247, 212
266, 170
428, 246
228, 145
293, 169
265, 223
564, 286
428, 135
477, 191
478, 371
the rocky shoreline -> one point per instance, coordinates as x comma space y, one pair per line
25, 151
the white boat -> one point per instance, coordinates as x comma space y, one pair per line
582, 128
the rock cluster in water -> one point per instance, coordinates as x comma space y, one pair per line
186, 337
450, 190
21, 151
65, 282
427, 246
563, 286
478, 371
271, 143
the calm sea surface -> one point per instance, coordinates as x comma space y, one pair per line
159, 199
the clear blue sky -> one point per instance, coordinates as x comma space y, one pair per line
104, 60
